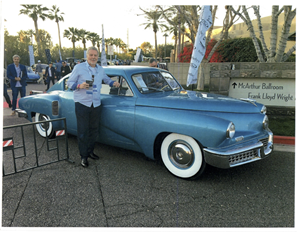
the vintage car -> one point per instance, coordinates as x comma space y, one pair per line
154, 115
32, 76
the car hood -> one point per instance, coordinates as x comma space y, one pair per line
191, 100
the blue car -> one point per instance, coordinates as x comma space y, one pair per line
154, 115
32, 76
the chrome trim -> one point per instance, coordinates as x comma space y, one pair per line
239, 155
249, 100
22, 113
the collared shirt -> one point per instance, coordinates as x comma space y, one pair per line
19, 74
80, 74
49, 72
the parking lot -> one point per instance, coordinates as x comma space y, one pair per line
124, 189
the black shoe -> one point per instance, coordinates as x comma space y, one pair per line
93, 156
84, 163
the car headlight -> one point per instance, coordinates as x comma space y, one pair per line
266, 122
230, 130
263, 110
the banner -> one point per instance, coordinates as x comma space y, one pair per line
138, 53
31, 56
48, 55
103, 55
205, 21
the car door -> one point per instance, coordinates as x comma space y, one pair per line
117, 115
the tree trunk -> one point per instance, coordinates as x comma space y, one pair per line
285, 33
155, 45
37, 39
59, 35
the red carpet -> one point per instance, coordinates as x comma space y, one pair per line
5, 105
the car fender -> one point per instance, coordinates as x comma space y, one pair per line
48, 104
209, 131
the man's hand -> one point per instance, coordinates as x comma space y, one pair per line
84, 85
17, 78
116, 84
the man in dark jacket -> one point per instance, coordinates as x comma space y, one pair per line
50, 74
17, 73
65, 69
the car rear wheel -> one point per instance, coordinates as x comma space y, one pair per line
182, 156
44, 126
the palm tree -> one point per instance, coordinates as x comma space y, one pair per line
35, 12
54, 15
93, 37
82, 35
153, 21
71, 34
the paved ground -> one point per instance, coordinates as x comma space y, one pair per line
124, 189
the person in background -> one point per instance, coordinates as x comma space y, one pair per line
17, 73
6, 96
86, 82
65, 69
153, 63
50, 75
39, 71
58, 66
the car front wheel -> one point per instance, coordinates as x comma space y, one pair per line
182, 156
44, 126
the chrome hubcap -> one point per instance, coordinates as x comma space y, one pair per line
44, 125
181, 154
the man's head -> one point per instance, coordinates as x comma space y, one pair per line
92, 56
50, 65
64, 63
153, 62
39, 61
16, 59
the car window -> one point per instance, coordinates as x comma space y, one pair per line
124, 89
152, 81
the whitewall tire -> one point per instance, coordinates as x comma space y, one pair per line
45, 126
182, 156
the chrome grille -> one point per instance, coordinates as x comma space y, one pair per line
243, 157
265, 142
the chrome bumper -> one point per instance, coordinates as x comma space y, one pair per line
22, 113
241, 155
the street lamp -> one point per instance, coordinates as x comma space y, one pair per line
165, 35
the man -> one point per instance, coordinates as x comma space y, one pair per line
153, 63
65, 70
58, 66
17, 73
87, 102
39, 71
50, 74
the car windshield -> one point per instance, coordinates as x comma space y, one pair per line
29, 69
155, 81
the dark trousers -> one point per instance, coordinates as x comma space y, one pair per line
15, 93
48, 81
6, 96
58, 75
88, 119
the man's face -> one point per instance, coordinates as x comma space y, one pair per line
92, 57
64, 64
153, 64
16, 60
50, 65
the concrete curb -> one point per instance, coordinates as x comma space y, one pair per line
288, 140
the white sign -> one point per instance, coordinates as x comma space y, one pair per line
205, 21
110, 50
103, 55
138, 53
272, 92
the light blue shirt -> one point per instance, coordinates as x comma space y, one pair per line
80, 74
19, 74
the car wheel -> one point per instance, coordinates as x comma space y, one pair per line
44, 126
182, 156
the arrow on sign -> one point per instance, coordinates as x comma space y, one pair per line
234, 84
